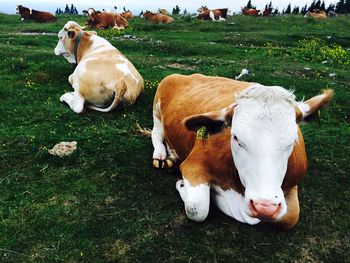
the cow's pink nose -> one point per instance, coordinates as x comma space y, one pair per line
264, 209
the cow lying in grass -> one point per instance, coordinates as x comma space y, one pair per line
212, 14
103, 20
103, 76
237, 141
157, 17
37, 16
317, 15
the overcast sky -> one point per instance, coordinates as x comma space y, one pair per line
9, 6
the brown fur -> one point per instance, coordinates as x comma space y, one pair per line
210, 161
158, 17
102, 20
37, 16
101, 81
205, 13
321, 15
127, 15
250, 12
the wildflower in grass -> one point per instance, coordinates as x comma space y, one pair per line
318, 50
151, 84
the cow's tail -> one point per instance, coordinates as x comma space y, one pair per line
118, 95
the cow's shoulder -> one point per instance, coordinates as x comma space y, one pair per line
210, 161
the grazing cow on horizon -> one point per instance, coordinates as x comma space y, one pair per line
250, 12
239, 145
157, 17
103, 20
37, 16
103, 77
212, 14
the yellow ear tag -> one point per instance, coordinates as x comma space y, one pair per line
202, 134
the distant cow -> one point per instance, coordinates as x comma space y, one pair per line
127, 15
267, 12
37, 16
212, 14
103, 77
321, 15
250, 11
157, 17
163, 11
239, 143
102, 20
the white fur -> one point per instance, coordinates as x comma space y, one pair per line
264, 123
196, 199
232, 204
211, 15
158, 136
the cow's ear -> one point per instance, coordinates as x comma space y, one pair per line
307, 109
214, 121
71, 33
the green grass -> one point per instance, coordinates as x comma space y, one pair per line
105, 203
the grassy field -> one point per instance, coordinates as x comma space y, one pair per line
105, 203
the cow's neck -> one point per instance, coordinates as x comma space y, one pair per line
76, 46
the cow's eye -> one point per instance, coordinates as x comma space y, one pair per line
235, 139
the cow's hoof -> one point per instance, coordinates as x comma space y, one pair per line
163, 164
157, 163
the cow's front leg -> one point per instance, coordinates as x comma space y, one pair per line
160, 159
74, 101
196, 199
232, 204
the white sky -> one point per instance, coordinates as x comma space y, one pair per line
9, 6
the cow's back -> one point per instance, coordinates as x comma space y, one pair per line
182, 96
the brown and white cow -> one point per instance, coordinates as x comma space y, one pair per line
212, 14
103, 77
127, 15
157, 17
103, 20
37, 16
248, 148
250, 12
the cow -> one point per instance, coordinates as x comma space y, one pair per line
267, 12
127, 15
321, 15
163, 11
103, 75
157, 17
212, 14
237, 141
37, 16
250, 12
103, 20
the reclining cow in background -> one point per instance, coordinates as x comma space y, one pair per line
157, 17
212, 14
250, 12
37, 16
237, 141
103, 78
103, 20
318, 14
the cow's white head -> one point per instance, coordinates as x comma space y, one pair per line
66, 40
264, 131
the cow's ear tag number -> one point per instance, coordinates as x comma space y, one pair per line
202, 134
